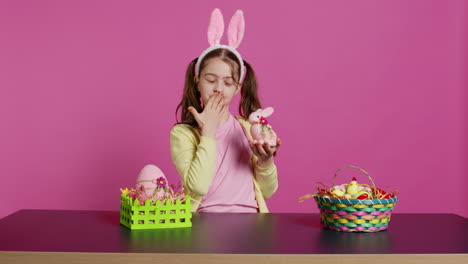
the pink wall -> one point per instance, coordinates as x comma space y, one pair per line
89, 89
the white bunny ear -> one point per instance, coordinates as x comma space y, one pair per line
267, 112
216, 27
236, 29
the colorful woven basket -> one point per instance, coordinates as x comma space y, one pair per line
161, 215
354, 215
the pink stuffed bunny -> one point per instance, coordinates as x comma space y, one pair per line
261, 131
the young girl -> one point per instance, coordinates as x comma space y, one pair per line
220, 166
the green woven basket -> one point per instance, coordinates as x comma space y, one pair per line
161, 215
354, 215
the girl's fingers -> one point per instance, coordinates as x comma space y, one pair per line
269, 150
253, 148
209, 104
223, 109
219, 102
274, 150
212, 104
278, 142
195, 114
251, 144
260, 149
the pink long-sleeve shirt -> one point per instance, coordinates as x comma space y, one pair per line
232, 187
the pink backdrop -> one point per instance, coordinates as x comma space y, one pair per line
89, 89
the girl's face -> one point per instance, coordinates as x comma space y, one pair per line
216, 77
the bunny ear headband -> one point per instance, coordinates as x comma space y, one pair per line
235, 35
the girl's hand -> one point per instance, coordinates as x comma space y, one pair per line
213, 113
264, 152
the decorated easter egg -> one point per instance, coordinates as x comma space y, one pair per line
151, 178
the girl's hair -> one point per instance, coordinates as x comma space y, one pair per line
191, 97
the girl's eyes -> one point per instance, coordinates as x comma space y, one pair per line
229, 83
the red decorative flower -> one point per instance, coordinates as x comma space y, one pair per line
161, 182
263, 121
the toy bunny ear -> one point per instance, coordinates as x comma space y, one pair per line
267, 112
216, 27
236, 29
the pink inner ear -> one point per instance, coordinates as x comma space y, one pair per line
267, 111
216, 27
236, 29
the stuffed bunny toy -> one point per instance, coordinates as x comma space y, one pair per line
260, 130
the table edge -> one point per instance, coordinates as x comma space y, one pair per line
125, 258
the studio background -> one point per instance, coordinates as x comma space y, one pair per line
88, 92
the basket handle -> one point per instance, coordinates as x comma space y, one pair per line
355, 167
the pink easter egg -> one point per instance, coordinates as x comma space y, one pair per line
147, 178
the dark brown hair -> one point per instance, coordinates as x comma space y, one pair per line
249, 101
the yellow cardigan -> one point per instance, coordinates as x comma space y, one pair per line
195, 159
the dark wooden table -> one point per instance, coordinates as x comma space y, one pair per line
61, 236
